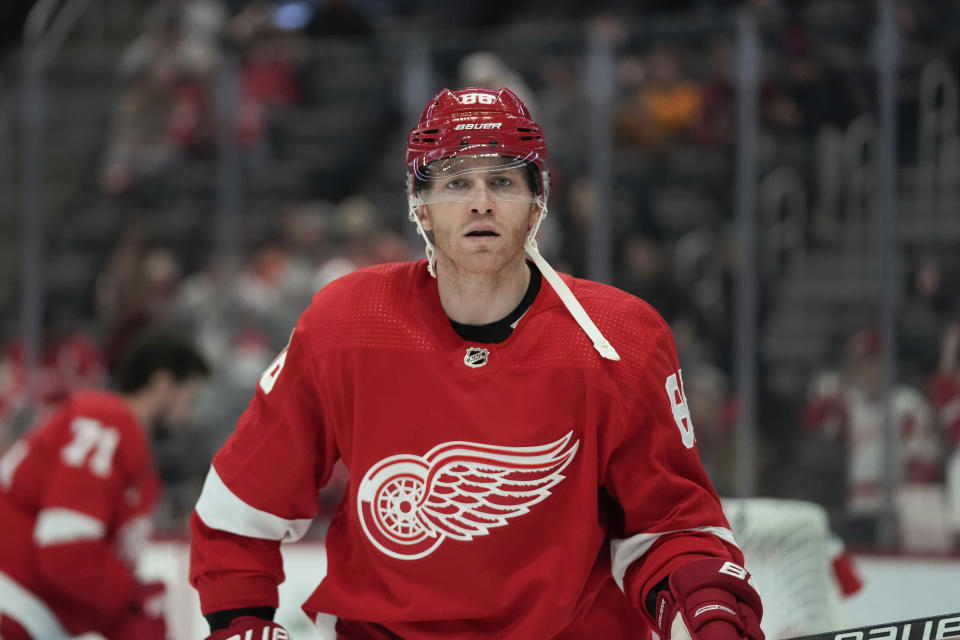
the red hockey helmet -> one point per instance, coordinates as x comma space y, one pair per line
476, 122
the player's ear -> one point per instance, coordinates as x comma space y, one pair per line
162, 383
534, 215
423, 213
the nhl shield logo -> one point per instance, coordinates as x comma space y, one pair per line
476, 357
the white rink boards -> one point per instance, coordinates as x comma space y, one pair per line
895, 588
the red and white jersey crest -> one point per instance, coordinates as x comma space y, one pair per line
408, 505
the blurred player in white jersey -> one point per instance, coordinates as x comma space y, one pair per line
521, 458
850, 406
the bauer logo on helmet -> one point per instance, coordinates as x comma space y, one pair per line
478, 125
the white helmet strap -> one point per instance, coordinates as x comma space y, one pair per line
600, 343
413, 204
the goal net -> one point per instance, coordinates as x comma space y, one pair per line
788, 547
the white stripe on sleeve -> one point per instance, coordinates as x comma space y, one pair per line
10, 461
220, 508
59, 526
29, 611
625, 552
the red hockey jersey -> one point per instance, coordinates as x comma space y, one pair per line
76, 500
509, 490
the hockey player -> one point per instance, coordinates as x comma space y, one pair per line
515, 470
76, 496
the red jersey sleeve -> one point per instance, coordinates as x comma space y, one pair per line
671, 512
262, 487
99, 458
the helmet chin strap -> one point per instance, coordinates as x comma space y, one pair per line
413, 203
600, 343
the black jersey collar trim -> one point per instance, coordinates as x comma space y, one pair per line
501, 329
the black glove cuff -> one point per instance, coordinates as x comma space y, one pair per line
222, 619
650, 602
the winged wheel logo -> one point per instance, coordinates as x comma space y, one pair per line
408, 505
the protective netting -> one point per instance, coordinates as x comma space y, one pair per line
788, 549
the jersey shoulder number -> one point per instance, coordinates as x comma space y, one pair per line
681, 412
269, 377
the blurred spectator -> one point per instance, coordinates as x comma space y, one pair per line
117, 284
363, 241
576, 212
778, 108
69, 360
239, 333
270, 88
270, 39
945, 394
561, 110
642, 272
134, 290
802, 91
141, 144
269, 73
922, 319
703, 263
945, 386
258, 284
717, 126
673, 102
487, 69
158, 44
254, 300
162, 114
849, 405
661, 105
185, 30
201, 20
713, 412
201, 309
165, 109
306, 238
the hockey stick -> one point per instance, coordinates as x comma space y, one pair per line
940, 627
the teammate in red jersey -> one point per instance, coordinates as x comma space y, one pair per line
76, 496
515, 470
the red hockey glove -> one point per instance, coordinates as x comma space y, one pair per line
244, 624
710, 599
145, 621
